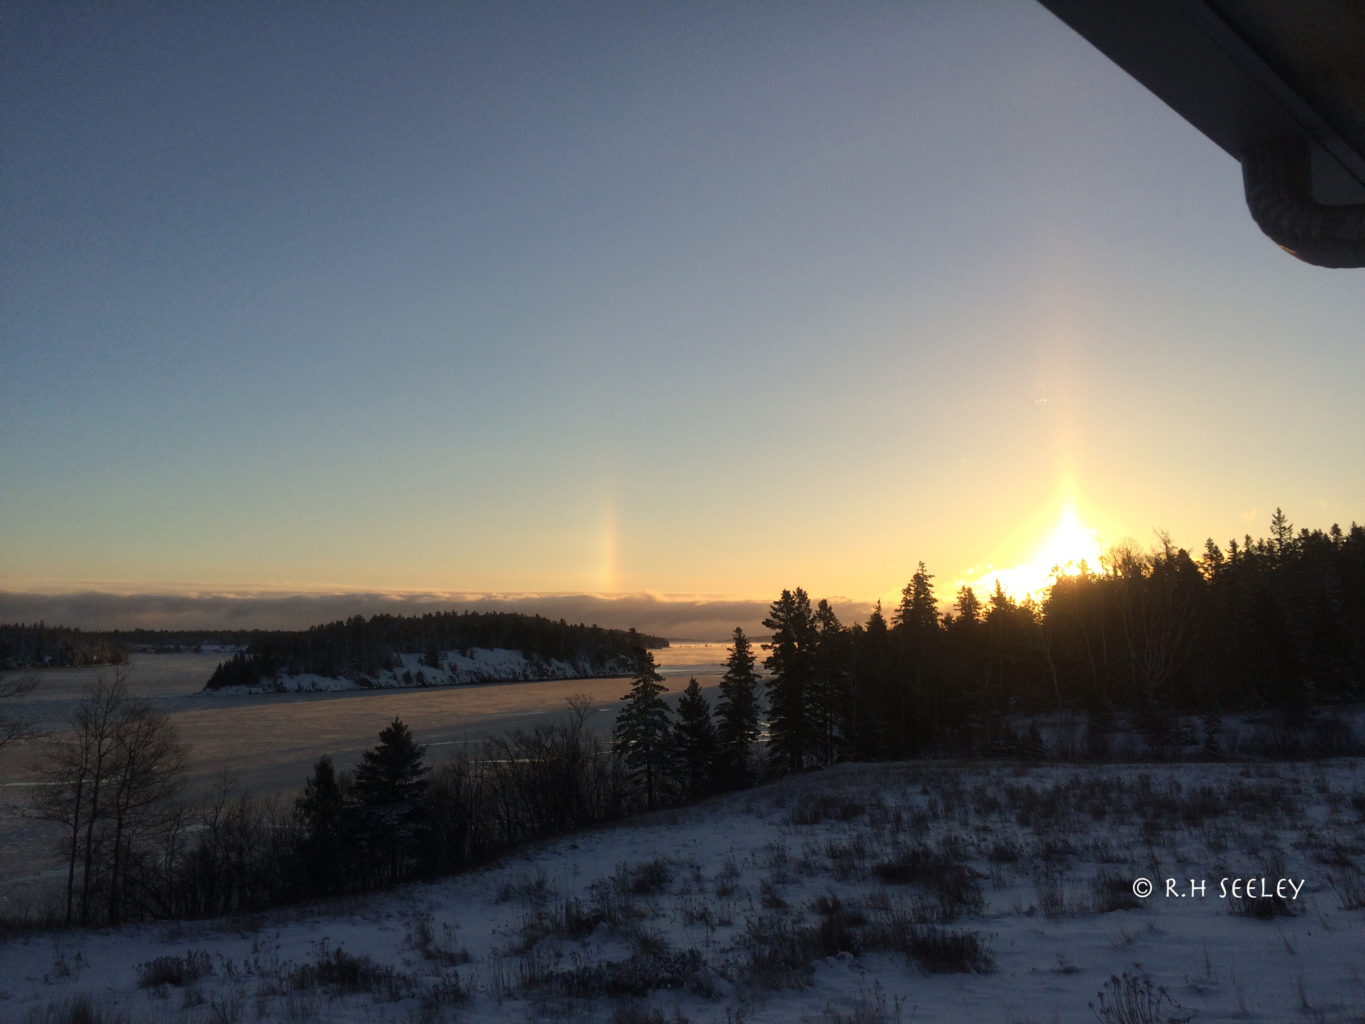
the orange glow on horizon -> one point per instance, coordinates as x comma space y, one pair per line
1069, 547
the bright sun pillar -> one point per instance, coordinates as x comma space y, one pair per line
1068, 546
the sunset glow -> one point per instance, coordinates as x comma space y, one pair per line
1070, 548
629, 300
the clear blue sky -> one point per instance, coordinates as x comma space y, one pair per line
706, 299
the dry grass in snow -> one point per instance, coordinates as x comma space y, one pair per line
919, 892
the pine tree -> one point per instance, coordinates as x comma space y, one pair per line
695, 739
918, 611
320, 812
737, 710
968, 607
789, 679
918, 638
875, 697
1282, 532
830, 691
392, 774
388, 785
642, 736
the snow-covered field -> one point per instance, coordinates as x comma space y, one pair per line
930, 891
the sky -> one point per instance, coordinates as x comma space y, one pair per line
628, 302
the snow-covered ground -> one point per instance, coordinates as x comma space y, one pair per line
922, 892
477, 665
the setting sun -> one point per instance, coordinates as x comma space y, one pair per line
1070, 546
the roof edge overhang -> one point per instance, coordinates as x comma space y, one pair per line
1302, 154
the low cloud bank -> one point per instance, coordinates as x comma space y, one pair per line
678, 618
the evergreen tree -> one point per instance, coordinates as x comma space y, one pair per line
737, 710
642, 736
917, 639
918, 611
695, 739
320, 813
388, 786
789, 677
1282, 533
874, 694
968, 607
1212, 562
830, 711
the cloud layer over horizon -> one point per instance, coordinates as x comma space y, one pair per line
678, 618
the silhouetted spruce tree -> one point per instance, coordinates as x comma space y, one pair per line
643, 735
320, 813
918, 611
968, 608
388, 786
1282, 535
737, 711
916, 633
790, 666
695, 739
874, 693
831, 713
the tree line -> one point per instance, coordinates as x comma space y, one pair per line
1274, 625
359, 648
38, 645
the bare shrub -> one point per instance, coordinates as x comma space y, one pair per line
942, 872
652, 876
866, 1009
1349, 884
225, 1008
778, 954
637, 975
346, 973
634, 1012
727, 878
841, 807
1267, 906
1134, 999
438, 999
947, 951
78, 1009
769, 897
1263, 908
569, 918
442, 947
174, 970
1051, 895
1113, 892
534, 889
1005, 851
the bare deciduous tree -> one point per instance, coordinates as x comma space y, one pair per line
111, 780
13, 726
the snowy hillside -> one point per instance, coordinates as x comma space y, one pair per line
927, 892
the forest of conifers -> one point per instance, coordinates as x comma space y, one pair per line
1134, 649
1276, 623
359, 648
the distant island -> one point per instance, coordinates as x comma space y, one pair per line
435, 649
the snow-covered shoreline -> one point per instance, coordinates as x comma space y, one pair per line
456, 668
